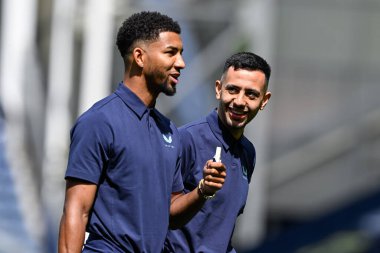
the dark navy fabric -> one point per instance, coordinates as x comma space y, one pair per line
211, 228
132, 153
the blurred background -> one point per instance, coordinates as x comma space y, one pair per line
316, 185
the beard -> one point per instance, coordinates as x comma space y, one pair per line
168, 90
160, 83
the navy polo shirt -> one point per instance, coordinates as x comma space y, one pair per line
211, 228
132, 153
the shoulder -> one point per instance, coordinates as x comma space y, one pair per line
101, 107
193, 126
193, 130
98, 116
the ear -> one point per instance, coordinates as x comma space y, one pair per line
265, 100
218, 89
138, 56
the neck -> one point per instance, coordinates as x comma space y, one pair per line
236, 133
139, 86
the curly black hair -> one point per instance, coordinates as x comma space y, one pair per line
249, 61
146, 26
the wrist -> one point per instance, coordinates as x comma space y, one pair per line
201, 191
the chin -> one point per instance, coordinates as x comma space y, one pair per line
235, 125
239, 125
169, 92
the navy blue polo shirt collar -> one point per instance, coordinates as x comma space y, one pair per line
220, 131
131, 100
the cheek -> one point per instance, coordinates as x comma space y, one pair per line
158, 71
166, 63
254, 108
225, 97
224, 101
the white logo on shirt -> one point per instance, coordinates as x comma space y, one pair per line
167, 139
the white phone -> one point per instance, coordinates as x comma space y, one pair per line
217, 156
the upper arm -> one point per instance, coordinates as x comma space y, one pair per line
80, 196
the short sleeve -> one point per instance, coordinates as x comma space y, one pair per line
91, 140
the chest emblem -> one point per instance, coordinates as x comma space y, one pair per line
167, 139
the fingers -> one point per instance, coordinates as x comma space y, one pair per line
214, 169
214, 174
214, 179
213, 186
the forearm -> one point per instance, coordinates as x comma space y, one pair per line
184, 207
79, 199
71, 234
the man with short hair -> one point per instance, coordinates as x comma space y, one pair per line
123, 183
242, 91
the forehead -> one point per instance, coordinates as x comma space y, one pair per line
254, 79
167, 40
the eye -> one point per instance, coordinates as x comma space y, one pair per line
232, 89
171, 51
252, 94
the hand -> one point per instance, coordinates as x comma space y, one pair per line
214, 174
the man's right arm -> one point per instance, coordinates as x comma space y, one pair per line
79, 199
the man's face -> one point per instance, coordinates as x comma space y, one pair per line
241, 94
163, 63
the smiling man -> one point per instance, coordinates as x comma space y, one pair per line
242, 91
123, 183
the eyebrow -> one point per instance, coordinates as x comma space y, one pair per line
231, 85
174, 48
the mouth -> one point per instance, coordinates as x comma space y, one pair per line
174, 77
236, 114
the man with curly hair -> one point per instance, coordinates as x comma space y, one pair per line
242, 92
123, 179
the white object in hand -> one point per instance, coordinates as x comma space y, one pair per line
217, 155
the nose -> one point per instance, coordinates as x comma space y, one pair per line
180, 63
239, 99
